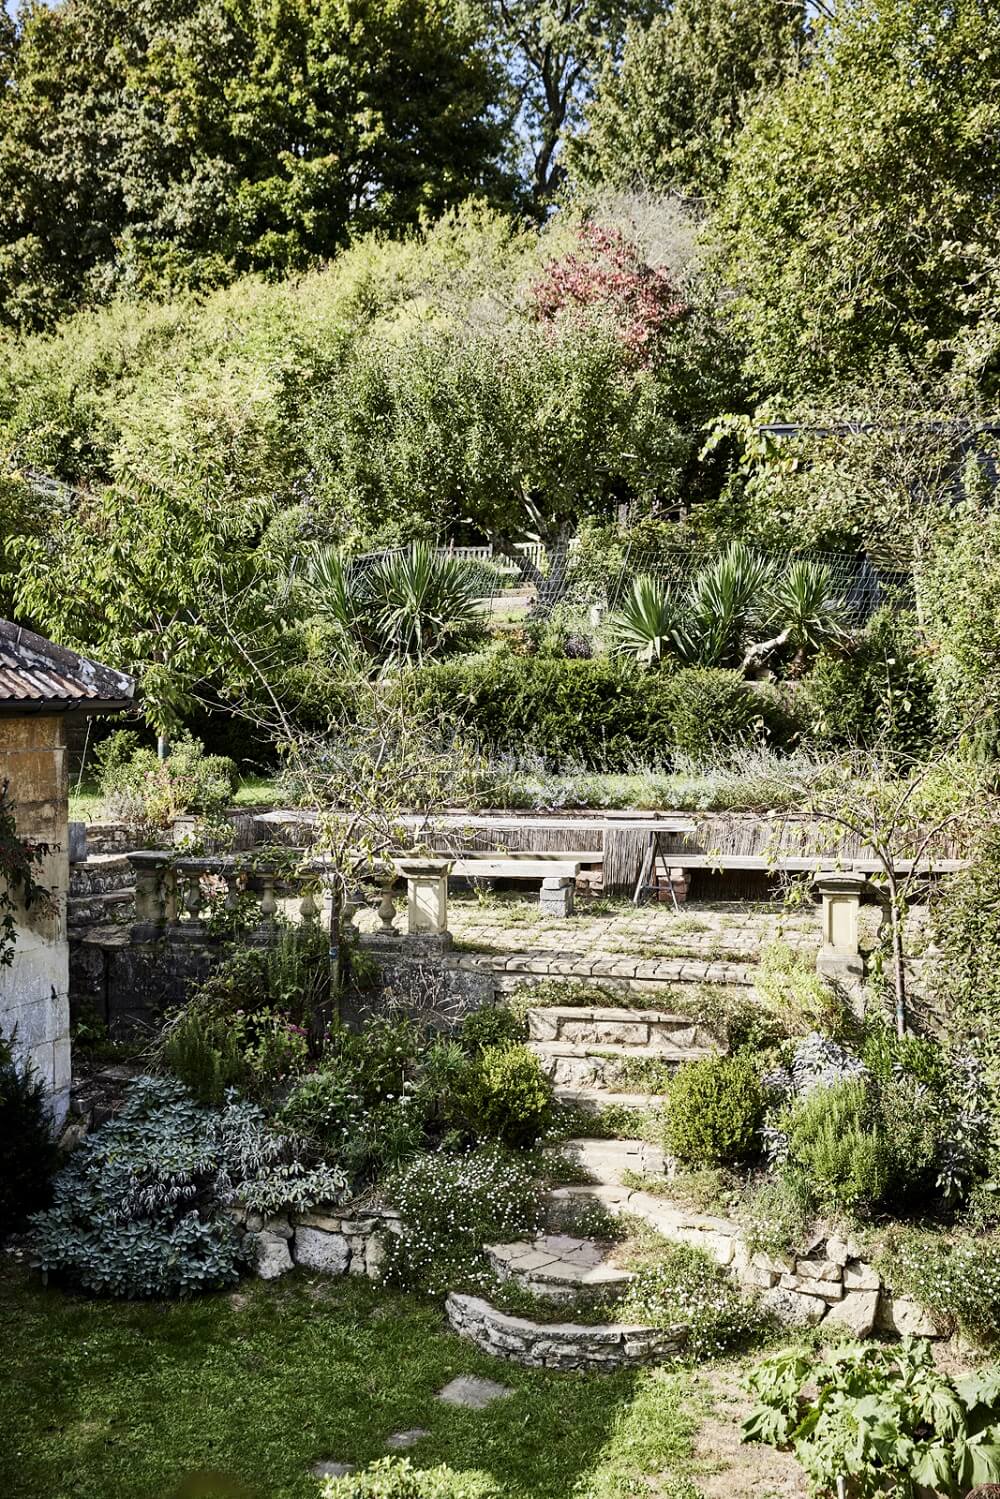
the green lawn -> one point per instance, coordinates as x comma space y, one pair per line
135, 1401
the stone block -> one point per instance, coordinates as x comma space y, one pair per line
793, 1309
273, 1257
837, 1251
829, 1290
319, 1250
860, 1277
762, 1280
903, 1315
856, 1312
819, 1269
777, 1264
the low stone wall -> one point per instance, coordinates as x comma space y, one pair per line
832, 1283
562, 1345
333, 1242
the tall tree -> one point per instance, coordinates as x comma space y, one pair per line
864, 198
554, 51
152, 141
669, 114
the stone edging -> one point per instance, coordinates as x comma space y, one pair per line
561, 1345
833, 1282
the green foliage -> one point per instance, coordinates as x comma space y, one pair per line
597, 712
959, 589
138, 1210
967, 929
684, 1285
776, 1213
879, 1419
450, 1206
738, 609
28, 1154
669, 115
886, 128
715, 1111
507, 1096
202, 1052
150, 793
840, 1147
798, 998
955, 1276
491, 1025
178, 137
413, 604
878, 692
397, 1478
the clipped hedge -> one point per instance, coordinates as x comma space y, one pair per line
604, 714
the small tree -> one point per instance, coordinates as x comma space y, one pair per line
907, 814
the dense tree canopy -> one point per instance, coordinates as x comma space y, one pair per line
669, 115
863, 205
173, 142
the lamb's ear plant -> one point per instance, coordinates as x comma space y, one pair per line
874, 1420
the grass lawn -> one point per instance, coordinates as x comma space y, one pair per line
234, 1397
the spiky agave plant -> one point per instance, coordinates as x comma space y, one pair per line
648, 624
722, 603
422, 602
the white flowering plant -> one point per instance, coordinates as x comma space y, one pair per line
450, 1206
685, 1285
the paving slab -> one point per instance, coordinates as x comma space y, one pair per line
328, 1469
473, 1393
400, 1441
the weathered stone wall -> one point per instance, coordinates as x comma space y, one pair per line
562, 1345
34, 990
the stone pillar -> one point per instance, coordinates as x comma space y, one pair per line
557, 896
426, 895
840, 958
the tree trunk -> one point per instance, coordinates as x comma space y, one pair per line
898, 971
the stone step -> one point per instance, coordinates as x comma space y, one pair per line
633, 974
607, 1161
557, 1266
651, 1031
568, 1066
110, 907
99, 874
592, 1100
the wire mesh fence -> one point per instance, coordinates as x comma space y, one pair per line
565, 576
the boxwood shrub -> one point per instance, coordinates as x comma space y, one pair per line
604, 714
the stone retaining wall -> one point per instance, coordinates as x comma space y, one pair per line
831, 1283
562, 1345
334, 1242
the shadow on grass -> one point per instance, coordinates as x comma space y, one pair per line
250, 1389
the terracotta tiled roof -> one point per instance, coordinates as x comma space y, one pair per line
35, 674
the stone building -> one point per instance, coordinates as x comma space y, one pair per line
41, 687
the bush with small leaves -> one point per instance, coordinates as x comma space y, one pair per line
140, 1208
715, 1111
507, 1096
838, 1144
397, 1478
28, 1154
492, 1025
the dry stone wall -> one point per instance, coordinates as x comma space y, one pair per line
562, 1345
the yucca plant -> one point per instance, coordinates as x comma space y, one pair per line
805, 608
648, 623
409, 604
723, 604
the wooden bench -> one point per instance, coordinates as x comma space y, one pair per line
557, 872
